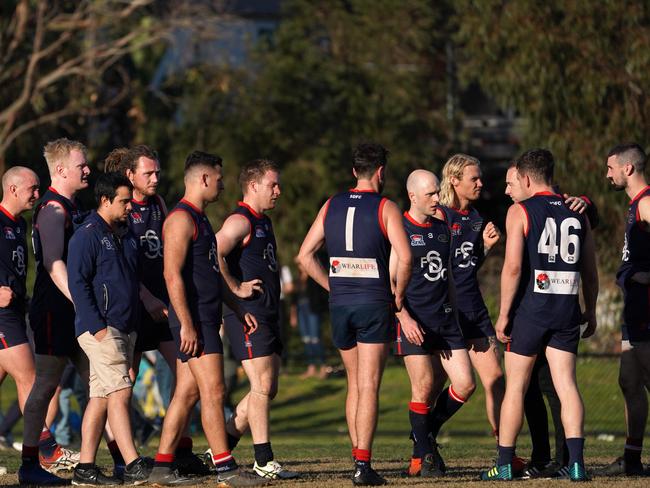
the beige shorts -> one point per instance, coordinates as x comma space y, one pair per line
109, 361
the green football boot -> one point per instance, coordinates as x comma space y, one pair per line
498, 473
577, 472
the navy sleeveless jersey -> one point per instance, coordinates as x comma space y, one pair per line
257, 260
46, 293
200, 271
358, 249
145, 223
13, 260
548, 294
636, 247
466, 229
427, 294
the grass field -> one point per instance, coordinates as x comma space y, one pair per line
309, 431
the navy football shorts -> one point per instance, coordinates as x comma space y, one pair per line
12, 329
442, 334
528, 339
368, 324
209, 340
476, 324
263, 342
150, 332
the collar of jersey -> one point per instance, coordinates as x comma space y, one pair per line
640, 194
415, 222
257, 215
8, 214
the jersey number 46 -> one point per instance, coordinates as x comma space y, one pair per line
569, 245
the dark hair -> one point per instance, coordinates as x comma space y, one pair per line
117, 160
140, 151
200, 158
630, 153
107, 185
538, 164
367, 157
255, 170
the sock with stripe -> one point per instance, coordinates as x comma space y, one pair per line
263, 453
184, 447
505, 455
362, 458
30, 455
164, 460
224, 462
118, 460
354, 452
576, 447
46, 443
418, 416
632, 452
448, 403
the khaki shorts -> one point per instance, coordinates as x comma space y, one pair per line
109, 360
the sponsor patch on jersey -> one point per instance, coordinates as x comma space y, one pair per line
557, 282
259, 231
137, 218
9, 233
353, 268
476, 226
456, 229
443, 238
417, 240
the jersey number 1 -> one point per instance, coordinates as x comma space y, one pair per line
349, 229
569, 247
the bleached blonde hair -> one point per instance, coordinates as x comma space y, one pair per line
454, 167
59, 149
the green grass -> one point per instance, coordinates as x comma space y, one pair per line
309, 429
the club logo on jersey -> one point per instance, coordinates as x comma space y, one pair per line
354, 267
433, 264
259, 231
443, 238
476, 226
466, 252
447, 307
557, 282
137, 218
18, 257
108, 244
9, 233
456, 229
542, 281
417, 240
151, 243
212, 256
269, 256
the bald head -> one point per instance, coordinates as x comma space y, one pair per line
423, 188
16, 176
19, 189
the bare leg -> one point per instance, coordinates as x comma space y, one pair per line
485, 358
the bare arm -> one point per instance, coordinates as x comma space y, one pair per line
178, 232
51, 229
511, 272
589, 275
397, 236
232, 234
314, 240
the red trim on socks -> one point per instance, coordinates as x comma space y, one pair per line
221, 458
418, 407
363, 455
456, 396
164, 458
354, 453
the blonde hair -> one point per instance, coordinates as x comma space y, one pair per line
454, 167
56, 151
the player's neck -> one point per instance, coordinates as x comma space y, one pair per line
539, 188
62, 189
463, 203
253, 205
634, 186
138, 196
418, 216
367, 185
8, 205
196, 200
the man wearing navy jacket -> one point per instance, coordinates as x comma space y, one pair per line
103, 282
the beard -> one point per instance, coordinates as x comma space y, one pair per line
616, 186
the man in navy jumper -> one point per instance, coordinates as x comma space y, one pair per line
103, 282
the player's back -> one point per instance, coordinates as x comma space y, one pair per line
551, 269
358, 249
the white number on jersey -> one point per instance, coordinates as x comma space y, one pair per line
569, 246
349, 229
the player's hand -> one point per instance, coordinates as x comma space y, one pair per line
590, 319
412, 330
641, 277
189, 340
491, 235
250, 323
576, 204
156, 308
6, 296
500, 329
100, 334
246, 289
